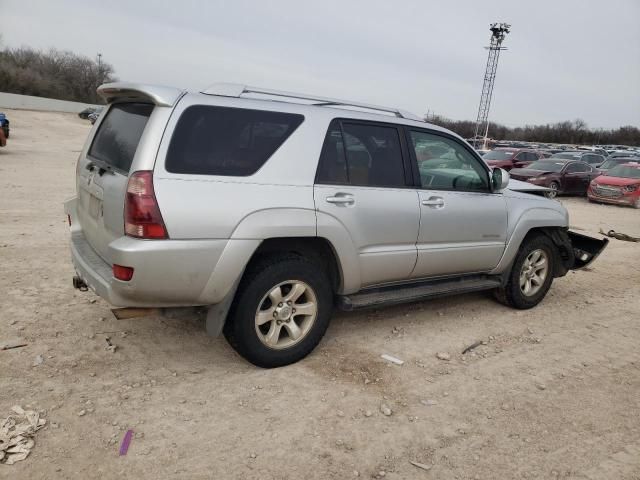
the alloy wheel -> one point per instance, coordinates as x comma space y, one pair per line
534, 272
286, 314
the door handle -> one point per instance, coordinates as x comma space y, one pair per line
341, 199
435, 202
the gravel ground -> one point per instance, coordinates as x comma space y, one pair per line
554, 392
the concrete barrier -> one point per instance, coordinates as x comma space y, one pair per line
27, 102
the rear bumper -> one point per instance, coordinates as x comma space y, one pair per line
167, 273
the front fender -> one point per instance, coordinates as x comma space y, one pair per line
538, 217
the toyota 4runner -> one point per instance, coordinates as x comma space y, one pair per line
269, 209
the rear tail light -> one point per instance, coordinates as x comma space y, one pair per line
122, 273
142, 218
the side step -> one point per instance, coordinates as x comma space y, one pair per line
405, 293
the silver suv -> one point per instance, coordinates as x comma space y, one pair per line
267, 209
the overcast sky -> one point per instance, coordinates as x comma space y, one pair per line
566, 59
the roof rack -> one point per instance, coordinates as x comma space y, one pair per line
237, 90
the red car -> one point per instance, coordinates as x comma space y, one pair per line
620, 185
508, 158
560, 175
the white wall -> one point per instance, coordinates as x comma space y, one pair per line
27, 102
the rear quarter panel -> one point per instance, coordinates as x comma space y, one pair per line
257, 206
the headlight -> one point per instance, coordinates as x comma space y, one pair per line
631, 188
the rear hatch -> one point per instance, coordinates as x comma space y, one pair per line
102, 174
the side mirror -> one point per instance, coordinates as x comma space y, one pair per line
499, 179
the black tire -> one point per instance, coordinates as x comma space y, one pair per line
511, 294
555, 190
262, 277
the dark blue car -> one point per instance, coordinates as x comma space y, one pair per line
4, 123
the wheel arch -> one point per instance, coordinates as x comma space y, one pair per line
544, 221
317, 248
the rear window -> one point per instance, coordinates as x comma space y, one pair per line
227, 141
547, 166
498, 155
119, 133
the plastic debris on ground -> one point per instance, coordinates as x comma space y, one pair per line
392, 359
16, 434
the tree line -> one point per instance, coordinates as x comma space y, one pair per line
65, 75
567, 132
62, 75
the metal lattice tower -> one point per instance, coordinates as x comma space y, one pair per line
498, 33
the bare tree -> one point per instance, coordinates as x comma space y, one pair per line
568, 132
55, 74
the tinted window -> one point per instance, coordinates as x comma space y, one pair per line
445, 164
360, 154
227, 141
333, 166
119, 133
531, 156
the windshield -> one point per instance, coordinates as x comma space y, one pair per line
546, 166
613, 162
498, 155
570, 156
624, 171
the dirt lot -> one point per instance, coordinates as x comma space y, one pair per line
555, 392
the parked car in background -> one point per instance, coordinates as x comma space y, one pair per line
508, 158
84, 114
4, 125
599, 151
620, 185
624, 154
270, 213
593, 159
612, 162
560, 175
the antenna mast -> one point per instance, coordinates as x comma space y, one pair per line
498, 32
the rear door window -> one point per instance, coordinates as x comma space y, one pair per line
119, 133
226, 141
360, 154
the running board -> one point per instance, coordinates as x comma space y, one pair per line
406, 293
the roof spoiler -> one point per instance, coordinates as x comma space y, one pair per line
138, 92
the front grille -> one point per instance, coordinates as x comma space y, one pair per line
609, 192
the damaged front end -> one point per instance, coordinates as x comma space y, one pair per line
576, 250
585, 249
